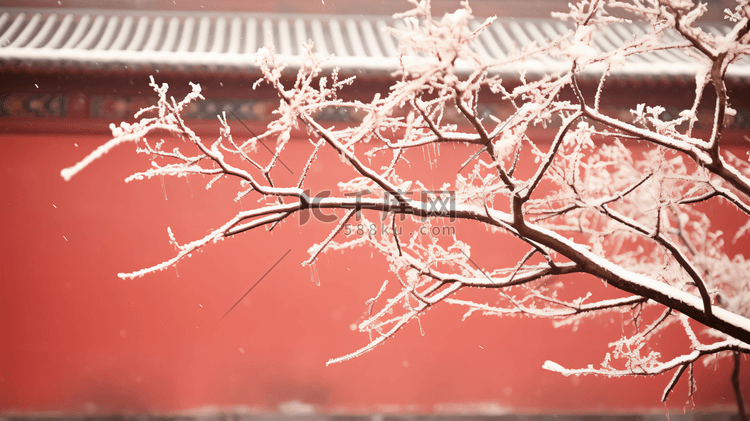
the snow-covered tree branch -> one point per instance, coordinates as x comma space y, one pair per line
616, 198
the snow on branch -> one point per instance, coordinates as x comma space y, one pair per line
615, 196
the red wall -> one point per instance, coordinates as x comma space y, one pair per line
75, 338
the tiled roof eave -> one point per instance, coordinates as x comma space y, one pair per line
215, 42
165, 61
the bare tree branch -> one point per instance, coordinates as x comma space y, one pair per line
584, 194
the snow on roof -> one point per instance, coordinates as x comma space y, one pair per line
228, 42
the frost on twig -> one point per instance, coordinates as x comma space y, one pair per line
617, 197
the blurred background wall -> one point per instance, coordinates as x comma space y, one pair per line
74, 338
